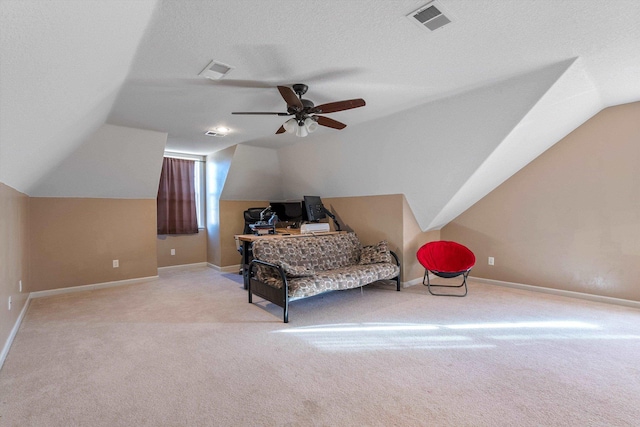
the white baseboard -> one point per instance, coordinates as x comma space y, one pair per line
40, 294
182, 266
560, 292
14, 331
417, 281
227, 269
413, 282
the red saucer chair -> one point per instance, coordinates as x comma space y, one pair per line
446, 259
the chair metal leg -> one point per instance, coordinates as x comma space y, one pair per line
429, 285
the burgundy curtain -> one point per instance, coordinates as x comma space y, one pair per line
177, 198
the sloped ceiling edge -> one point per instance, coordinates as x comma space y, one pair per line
571, 101
254, 174
115, 162
62, 66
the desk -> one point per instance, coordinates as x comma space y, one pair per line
281, 233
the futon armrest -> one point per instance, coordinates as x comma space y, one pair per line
278, 296
277, 268
393, 254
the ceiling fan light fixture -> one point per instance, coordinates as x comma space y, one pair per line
310, 124
290, 125
302, 131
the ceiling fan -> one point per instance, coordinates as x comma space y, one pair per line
305, 118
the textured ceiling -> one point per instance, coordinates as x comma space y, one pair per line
61, 66
349, 49
68, 66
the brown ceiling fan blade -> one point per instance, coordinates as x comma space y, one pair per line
290, 97
326, 121
260, 113
280, 130
332, 107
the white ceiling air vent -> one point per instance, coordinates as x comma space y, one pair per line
215, 70
430, 16
214, 133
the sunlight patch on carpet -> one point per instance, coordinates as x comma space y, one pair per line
553, 324
425, 336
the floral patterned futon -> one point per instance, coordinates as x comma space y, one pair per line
317, 264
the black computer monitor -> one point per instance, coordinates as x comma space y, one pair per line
314, 208
287, 211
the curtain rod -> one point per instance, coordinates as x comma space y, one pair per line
184, 157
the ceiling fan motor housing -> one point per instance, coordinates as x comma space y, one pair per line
300, 89
302, 114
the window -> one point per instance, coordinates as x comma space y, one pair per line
181, 194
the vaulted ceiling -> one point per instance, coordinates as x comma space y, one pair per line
450, 114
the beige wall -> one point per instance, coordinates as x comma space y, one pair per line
13, 257
232, 223
73, 241
385, 217
569, 220
414, 238
372, 218
189, 249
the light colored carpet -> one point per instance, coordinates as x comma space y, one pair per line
188, 350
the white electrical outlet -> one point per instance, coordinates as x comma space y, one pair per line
20, 285
116, 263
9, 303
173, 251
491, 261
